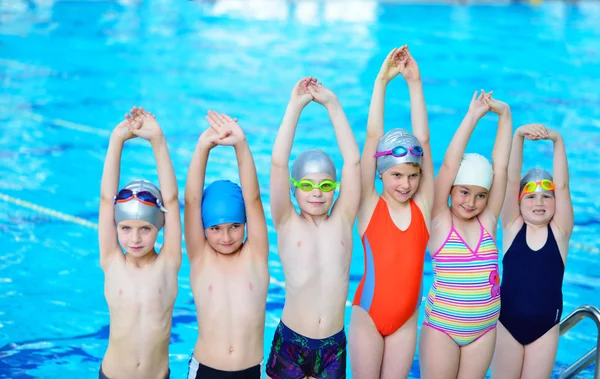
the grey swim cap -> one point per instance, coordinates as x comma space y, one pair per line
136, 210
533, 175
393, 138
475, 170
313, 161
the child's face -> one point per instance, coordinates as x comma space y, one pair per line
137, 237
315, 202
225, 238
401, 181
468, 201
537, 208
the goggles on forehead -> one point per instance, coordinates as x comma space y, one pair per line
530, 187
308, 185
401, 151
144, 197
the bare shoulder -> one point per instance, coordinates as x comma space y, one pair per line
425, 210
116, 258
441, 225
489, 221
561, 240
365, 212
510, 232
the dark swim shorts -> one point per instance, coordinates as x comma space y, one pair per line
294, 356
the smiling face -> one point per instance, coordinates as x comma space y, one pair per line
467, 202
401, 181
225, 238
537, 208
137, 237
315, 202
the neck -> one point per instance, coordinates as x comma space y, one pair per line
536, 226
392, 203
141, 262
314, 219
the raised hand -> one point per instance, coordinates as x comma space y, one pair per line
321, 94
480, 105
143, 124
300, 95
407, 65
497, 106
533, 132
227, 131
122, 131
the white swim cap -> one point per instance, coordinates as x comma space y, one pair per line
475, 170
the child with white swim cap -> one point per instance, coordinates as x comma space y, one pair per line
315, 246
537, 223
461, 313
229, 276
394, 230
140, 286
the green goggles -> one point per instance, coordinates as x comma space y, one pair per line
307, 185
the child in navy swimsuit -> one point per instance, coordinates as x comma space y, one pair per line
537, 221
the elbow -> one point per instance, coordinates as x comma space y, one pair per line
107, 197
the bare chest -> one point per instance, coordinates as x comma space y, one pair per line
308, 252
150, 290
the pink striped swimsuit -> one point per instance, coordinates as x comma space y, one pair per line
464, 300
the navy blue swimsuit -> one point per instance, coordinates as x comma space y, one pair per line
531, 288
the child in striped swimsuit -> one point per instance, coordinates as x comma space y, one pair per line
464, 301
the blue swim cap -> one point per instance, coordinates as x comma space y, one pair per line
222, 202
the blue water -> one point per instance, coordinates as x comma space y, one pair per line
70, 70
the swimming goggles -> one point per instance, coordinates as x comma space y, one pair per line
530, 187
144, 197
400, 151
307, 185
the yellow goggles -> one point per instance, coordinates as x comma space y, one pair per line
530, 187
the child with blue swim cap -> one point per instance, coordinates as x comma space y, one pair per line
140, 286
315, 246
229, 276
537, 222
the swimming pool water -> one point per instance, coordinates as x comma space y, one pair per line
70, 70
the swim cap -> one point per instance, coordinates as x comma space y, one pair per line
475, 170
533, 175
313, 161
393, 138
222, 202
136, 210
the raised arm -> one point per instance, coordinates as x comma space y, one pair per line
151, 131
349, 198
500, 158
454, 154
375, 130
281, 203
109, 185
563, 216
510, 208
420, 127
195, 239
256, 224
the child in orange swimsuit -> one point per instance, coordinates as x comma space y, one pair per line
459, 331
394, 231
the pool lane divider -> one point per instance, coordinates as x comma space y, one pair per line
47, 211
